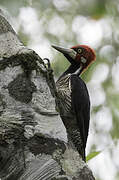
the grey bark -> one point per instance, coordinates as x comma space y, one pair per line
33, 140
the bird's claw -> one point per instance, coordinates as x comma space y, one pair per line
47, 65
50, 76
48, 68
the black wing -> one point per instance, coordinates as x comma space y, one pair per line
81, 106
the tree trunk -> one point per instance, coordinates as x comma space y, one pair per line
33, 140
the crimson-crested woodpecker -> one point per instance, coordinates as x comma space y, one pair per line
73, 95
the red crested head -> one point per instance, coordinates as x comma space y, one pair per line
85, 55
80, 56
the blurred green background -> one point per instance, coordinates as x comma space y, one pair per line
40, 23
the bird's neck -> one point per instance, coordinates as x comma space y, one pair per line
71, 69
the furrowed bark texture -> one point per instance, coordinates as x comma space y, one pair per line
33, 141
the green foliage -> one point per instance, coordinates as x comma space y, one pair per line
92, 155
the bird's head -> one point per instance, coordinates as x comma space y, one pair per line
81, 55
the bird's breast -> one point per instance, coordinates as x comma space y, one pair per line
63, 86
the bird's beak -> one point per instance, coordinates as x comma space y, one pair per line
70, 52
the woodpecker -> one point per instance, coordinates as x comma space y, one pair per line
73, 95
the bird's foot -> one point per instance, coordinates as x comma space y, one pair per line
50, 76
48, 67
45, 68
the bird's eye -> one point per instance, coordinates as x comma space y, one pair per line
79, 50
